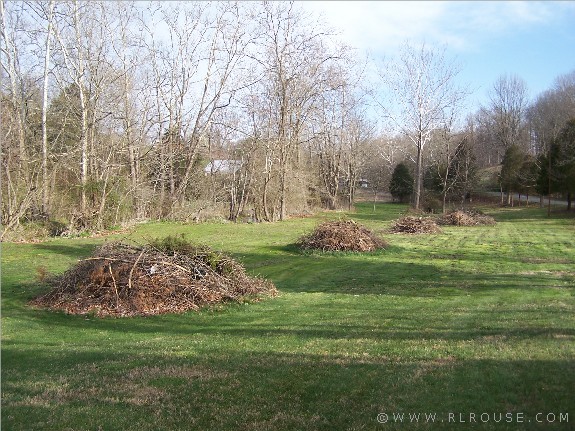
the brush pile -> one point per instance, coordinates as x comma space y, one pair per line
413, 224
167, 276
342, 235
465, 218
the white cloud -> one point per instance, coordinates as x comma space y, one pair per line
380, 27
487, 38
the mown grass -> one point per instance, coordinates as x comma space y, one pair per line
474, 320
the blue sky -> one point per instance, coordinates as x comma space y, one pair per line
533, 40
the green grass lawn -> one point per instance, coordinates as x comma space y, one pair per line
475, 325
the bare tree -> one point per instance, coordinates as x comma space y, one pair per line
45, 177
10, 65
340, 131
506, 113
18, 100
194, 74
452, 171
441, 167
88, 78
74, 51
44, 13
227, 44
293, 60
329, 139
360, 133
422, 84
551, 110
134, 98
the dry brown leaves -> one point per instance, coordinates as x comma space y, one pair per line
342, 236
124, 280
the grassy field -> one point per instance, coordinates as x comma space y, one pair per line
475, 326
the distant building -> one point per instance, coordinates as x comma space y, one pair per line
222, 167
363, 183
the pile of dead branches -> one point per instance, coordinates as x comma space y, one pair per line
465, 218
412, 224
125, 280
340, 235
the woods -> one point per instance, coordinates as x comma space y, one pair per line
117, 112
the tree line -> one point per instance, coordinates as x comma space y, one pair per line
122, 111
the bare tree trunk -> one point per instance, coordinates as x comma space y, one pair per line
418, 177
84, 152
45, 178
283, 181
265, 204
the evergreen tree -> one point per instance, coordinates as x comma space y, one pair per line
528, 173
557, 166
510, 170
401, 184
565, 144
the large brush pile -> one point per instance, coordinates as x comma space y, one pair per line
412, 224
466, 218
341, 236
165, 277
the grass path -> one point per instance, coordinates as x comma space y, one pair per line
470, 321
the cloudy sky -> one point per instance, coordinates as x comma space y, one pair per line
533, 40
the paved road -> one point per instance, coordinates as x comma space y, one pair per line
532, 199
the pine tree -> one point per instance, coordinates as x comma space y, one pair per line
401, 184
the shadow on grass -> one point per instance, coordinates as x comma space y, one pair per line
351, 336
326, 293
78, 251
378, 273
276, 323
240, 389
384, 272
502, 260
530, 214
336, 273
294, 249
